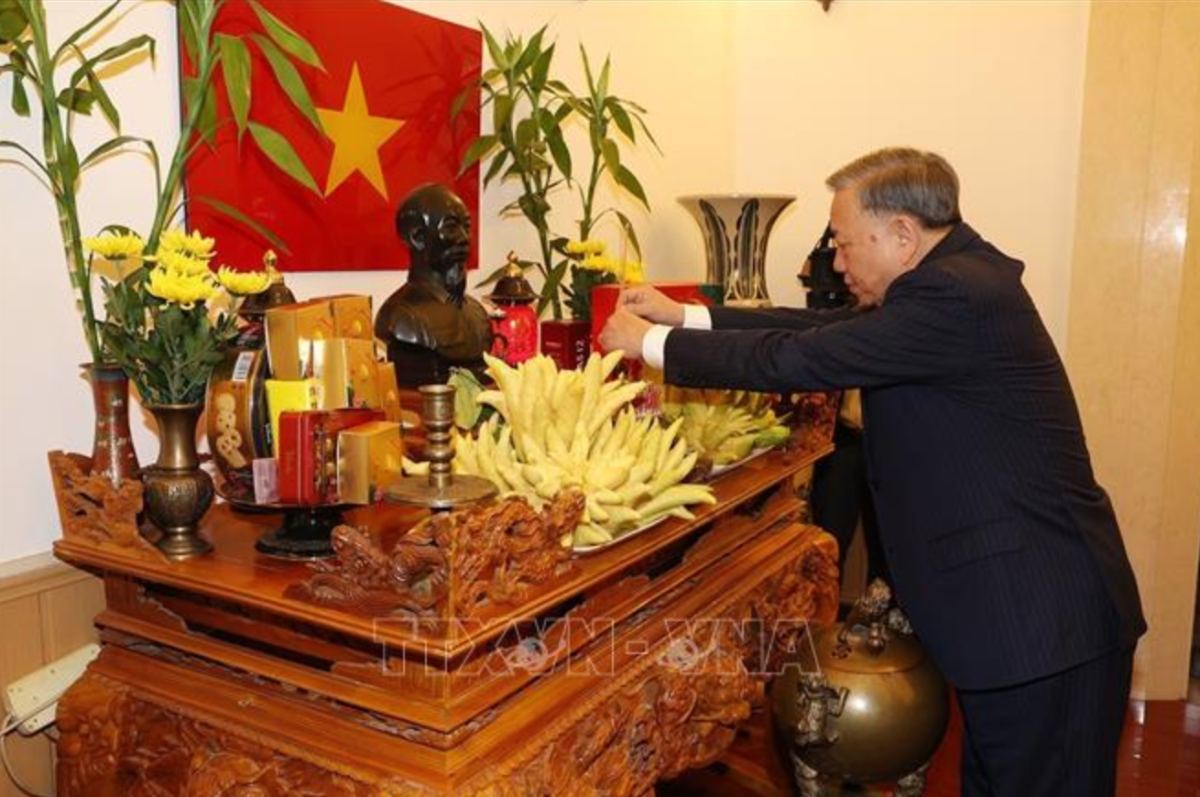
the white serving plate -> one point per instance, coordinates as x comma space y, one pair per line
586, 549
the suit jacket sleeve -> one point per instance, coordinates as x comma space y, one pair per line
775, 317
923, 332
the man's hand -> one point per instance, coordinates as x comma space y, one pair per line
652, 305
624, 331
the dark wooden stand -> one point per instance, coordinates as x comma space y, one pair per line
235, 673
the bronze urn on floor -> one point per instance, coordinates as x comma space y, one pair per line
862, 704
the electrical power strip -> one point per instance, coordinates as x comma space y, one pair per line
35, 696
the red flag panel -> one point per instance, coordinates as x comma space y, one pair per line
384, 99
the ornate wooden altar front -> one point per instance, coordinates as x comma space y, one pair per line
424, 662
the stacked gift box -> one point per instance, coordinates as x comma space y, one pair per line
312, 417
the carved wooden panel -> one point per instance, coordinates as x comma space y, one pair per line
91, 509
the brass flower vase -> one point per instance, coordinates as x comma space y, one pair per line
177, 491
112, 443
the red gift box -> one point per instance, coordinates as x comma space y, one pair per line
308, 453
604, 301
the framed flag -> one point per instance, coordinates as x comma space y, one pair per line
382, 93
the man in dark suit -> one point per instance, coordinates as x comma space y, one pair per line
1004, 550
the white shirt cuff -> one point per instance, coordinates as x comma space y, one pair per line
654, 345
696, 316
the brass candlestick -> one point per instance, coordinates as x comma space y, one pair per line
441, 491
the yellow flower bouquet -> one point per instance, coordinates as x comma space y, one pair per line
591, 267
168, 328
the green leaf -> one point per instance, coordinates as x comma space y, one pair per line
112, 144
612, 155
83, 31
235, 64
77, 100
191, 29
20, 101
494, 49
288, 40
494, 169
642, 124
630, 233
587, 71
532, 51
602, 84
501, 112
102, 99
559, 151
626, 180
112, 54
12, 21
289, 80
541, 69
479, 147
30, 155
551, 285
242, 218
620, 117
277, 148
526, 131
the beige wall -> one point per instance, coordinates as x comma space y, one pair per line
1134, 333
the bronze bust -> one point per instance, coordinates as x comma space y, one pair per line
430, 324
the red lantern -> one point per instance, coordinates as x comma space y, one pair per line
514, 334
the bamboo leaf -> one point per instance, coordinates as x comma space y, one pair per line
532, 51
112, 54
191, 29
12, 21
642, 124
612, 155
242, 218
83, 31
30, 155
20, 100
551, 286
587, 71
602, 84
479, 147
288, 40
235, 65
621, 118
526, 130
77, 100
280, 152
559, 151
494, 169
102, 99
460, 100
630, 233
109, 146
288, 78
541, 69
494, 48
501, 112
626, 180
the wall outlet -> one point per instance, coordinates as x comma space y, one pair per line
35, 696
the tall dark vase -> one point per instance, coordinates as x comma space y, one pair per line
112, 444
177, 491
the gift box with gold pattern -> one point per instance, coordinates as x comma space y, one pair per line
347, 371
291, 331
368, 461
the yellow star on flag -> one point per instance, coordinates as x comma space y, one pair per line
357, 137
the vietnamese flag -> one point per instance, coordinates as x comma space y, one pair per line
384, 100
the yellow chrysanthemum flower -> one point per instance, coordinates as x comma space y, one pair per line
601, 263
243, 283
588, 247
194, 244
183, 289
180, 262
634, 273
115, 247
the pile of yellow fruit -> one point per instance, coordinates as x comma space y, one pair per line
560, 429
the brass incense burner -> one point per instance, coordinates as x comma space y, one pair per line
862, 704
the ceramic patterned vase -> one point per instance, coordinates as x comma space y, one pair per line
112, 446
736, 230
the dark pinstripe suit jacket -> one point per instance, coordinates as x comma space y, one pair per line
1004, 549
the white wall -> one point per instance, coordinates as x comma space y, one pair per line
747, 96
994, 85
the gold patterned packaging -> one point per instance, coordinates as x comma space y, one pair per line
368, 460
346, 369
291, 331
389, 392
351, 315
237, 420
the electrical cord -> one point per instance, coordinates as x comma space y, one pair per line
8, 726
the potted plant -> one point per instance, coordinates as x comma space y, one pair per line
530, 114
35, 65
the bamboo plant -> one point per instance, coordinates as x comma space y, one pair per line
34, 65
530, 113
